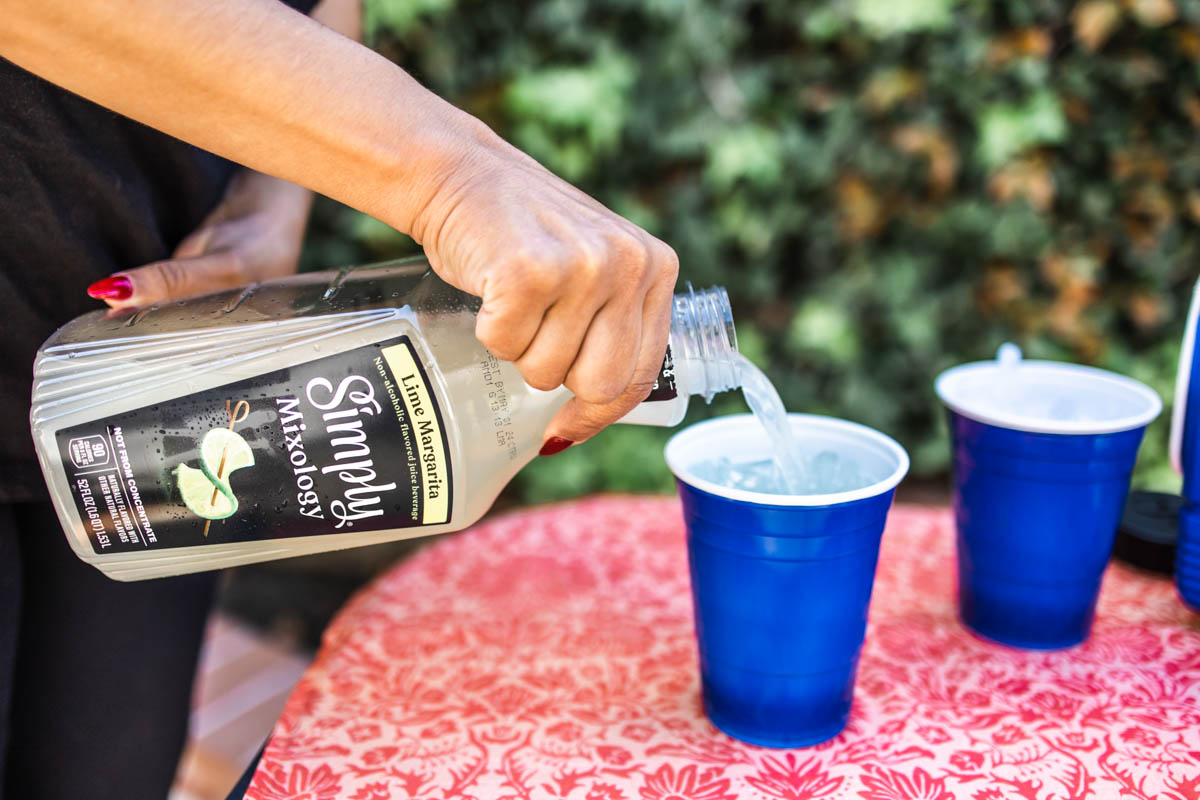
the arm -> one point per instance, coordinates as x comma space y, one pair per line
254, 233
250, 80
573, 294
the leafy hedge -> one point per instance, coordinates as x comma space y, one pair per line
886, 187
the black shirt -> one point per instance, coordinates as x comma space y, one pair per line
84, 192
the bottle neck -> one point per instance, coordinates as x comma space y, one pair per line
704, 342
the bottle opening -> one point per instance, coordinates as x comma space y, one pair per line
704, 339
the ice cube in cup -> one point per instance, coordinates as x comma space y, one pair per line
825, 472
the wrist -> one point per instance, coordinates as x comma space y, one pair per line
430, 166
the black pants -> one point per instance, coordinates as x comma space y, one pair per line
95, 675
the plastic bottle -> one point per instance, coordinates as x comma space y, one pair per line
312, 413
1185, 457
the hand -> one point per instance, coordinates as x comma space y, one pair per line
573, 294
254, 233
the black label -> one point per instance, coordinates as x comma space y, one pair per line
346, 443
664, 387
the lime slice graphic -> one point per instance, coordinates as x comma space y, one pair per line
197, 491
206, 491
220, 441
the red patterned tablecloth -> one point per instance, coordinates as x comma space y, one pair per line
550, 653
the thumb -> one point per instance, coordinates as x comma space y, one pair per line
171, 279
578, 421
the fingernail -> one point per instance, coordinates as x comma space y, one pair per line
555, 444
114, 287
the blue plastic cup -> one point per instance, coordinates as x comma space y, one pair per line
781, 583
1042, 454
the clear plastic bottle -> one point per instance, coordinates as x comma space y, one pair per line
306, 414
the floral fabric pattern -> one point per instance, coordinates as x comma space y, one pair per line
550, 653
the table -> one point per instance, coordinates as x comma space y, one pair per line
550, 653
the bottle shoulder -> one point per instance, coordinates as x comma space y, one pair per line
292, 300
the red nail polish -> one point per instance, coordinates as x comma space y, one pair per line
114, 287
555, 444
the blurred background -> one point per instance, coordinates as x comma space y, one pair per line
885, 187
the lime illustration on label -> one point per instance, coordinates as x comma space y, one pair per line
206, 491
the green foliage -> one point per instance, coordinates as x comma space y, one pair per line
886, 187
891, 17
384, 17
1006, 130
570, 114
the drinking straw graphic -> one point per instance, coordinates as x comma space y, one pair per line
236, 415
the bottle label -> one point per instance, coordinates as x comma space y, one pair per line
664, 386
346, 443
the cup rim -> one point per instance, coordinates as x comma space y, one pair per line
943, 387
674, 461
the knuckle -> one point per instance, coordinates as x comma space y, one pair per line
639, 389
632, 253
541, 371
669, 261
662, 262
495, 332
596, 389
638, 273
590, 266
175, 278
595, 397
642, 381
501, 349
541, 379
234, 268
539, 277
503, 346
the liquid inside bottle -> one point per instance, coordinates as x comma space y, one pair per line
305, 414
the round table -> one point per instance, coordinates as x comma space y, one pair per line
550, 653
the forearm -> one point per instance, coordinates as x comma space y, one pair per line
256, 82
288, 201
